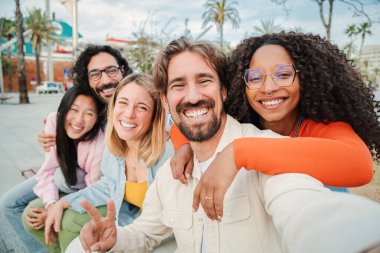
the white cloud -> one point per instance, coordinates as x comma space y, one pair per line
120, 18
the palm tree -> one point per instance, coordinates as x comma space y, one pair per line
219, 12
267, 27
363, 29
351, 33
9, 67
376, 71
24, 99
41, 30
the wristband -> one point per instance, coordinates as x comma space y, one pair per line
49, 203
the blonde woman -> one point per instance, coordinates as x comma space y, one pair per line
135, 148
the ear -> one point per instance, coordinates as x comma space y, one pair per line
165, 103
224, 93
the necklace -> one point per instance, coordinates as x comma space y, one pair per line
133, 166
299, 122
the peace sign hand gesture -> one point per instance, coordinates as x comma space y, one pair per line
99, 234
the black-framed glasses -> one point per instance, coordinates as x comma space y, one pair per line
96, 74
282, 75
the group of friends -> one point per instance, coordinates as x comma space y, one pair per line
253, 152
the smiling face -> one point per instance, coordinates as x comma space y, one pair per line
81, 117
194, 96
106, 85
277, 106
133, 113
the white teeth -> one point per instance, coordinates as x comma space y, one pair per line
108, 90
272, 102
127, 125
76, 128
196, 113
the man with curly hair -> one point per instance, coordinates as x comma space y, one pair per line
99, 67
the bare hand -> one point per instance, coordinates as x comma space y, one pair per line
35, 217
99, 234
182, 163
46, 140
214, 184
53, 221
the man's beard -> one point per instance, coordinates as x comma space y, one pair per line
199, 133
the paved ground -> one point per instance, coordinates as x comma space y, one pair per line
19, 148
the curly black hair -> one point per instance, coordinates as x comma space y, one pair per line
79, 72
332, 89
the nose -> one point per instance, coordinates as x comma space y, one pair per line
193, 93
269, 85
130, 111
79, 118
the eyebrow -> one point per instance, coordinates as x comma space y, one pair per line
102, 68
205, 75
138, 103
91, 109
178, 79
199, 75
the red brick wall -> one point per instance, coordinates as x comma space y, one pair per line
30, 69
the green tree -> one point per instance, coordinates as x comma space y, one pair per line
41, 30
219, 12
355, 6
267, 27
24, 99
9, 67
142, 51
376, 72
363, 29
351, 33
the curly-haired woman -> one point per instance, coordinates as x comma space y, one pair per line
299, 85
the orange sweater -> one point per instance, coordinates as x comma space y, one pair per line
333, 154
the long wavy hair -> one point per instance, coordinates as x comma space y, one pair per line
152, 144
66, 148
79, 70
332, 89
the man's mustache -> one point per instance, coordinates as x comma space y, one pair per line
106, 86
201, 103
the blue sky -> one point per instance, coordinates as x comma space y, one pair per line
120, 18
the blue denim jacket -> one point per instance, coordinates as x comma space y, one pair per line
112, 186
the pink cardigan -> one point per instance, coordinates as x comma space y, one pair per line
89, 158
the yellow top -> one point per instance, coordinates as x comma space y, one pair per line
135, 192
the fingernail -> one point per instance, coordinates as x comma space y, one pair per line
219, 217
187, 175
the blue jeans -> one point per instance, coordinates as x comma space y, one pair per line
12, 204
